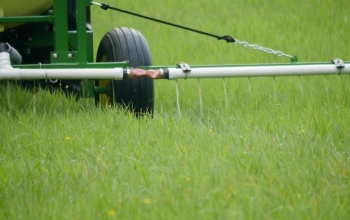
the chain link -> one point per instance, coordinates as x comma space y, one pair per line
264, 49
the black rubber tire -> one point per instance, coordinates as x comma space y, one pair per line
126, 44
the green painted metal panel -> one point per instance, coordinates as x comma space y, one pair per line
27, 19
61, 25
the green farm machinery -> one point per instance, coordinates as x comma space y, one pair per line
52, 41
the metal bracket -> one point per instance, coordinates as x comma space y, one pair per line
338, 63
184, 66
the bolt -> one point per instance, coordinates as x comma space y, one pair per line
55, 55
70, 55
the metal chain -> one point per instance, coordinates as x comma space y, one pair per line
264, 49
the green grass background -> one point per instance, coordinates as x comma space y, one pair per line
279, 149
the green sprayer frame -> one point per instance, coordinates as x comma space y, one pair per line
61, 38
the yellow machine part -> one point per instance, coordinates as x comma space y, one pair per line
2, 27
22, 8
104, 99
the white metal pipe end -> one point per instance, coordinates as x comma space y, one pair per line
7, 72
119, 74
5, 62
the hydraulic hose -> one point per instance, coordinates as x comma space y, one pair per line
15, 57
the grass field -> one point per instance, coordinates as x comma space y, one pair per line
278, 149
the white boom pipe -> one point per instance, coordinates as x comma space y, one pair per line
17, 74
259, 71
9, 73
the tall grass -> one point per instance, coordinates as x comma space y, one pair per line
279, 149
